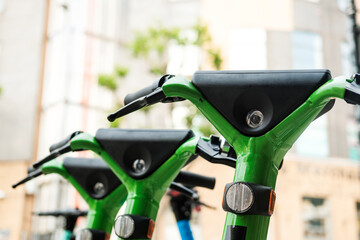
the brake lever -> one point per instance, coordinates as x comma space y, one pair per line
30, 176
184, 190
64, 141
56, 150
205, 205
211, 151
156, 96
54, 154
197, 202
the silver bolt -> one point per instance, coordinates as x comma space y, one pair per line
139, 165
254, 119
99, 188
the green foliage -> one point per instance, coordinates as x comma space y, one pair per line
1, 90
207, 129
108, 81
204, 127
157, 39
203, 35
154, 40
146, 110
215, 57
115, 124
139, 46
158, 70
121, 71
152, 45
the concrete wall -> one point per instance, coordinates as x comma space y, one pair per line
336, 180
21, 32
21, 42
13, 214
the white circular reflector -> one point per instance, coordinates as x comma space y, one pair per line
124, 226
239, 197
84, 234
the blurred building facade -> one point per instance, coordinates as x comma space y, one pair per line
74, 41
61, 47
21, 62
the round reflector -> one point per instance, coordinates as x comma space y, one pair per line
124, 226
84, 234
239, 197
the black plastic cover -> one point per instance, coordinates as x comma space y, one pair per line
275, 93
152, 146
90, 171
234, 232
352, 91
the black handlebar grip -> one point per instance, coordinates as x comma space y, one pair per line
196, 180
64, 141
147, 90
141, 93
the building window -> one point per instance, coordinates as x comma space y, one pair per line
314, 140
4, 234
315, 216
352, 134
247, 49
347, 58
307, 54
307, 50
2, 5
343, 5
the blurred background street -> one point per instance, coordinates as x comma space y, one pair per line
66, 64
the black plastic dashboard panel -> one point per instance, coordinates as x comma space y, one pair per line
276, 93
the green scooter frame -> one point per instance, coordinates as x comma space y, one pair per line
102, 212
143, 195
258, 158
